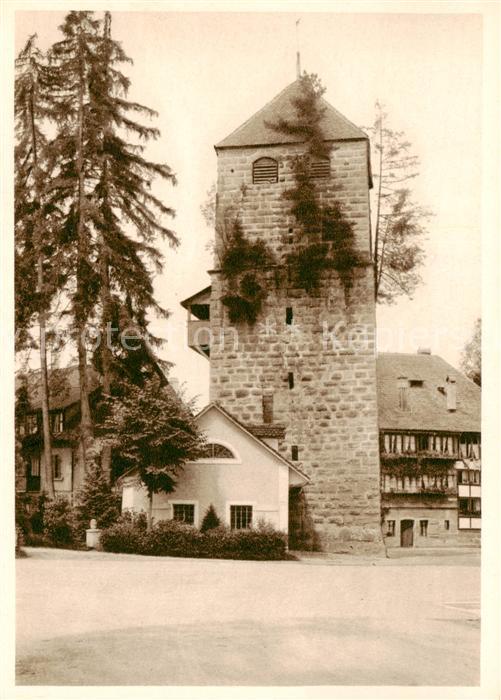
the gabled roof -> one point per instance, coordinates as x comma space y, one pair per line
63, 386
228, 416
427, 406
201, 297
255, 132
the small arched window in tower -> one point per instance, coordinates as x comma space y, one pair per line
290, 379
320, 167
264, 170
216, 451
289, 315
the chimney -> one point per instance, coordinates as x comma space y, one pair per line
403, 385
424, 351
451, 393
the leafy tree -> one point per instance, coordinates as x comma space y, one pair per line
208, 208
471, 359
398, 223
211, 519
151, 430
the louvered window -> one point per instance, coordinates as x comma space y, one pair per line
264, 170
321, 167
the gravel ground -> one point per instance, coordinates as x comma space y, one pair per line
92, 618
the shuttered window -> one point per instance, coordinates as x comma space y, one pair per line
264, 170
321, 167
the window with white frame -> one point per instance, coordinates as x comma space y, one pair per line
390, 524
240, 517
423, 528
184, 512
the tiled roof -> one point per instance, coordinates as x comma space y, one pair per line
63, 386
255, 132
427, 408
267, 430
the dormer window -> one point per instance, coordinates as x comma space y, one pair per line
264, 170
320, 168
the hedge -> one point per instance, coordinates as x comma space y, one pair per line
175, 539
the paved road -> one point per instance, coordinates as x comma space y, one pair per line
102, 619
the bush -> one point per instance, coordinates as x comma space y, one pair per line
30, 514
175, 539
261, 543
126, 535
210, 520
59, 523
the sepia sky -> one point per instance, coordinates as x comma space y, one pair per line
207, 72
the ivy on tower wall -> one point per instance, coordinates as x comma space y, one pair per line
324, 238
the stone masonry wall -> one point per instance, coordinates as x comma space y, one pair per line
330, 414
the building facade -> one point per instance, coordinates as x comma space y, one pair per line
295, 367
64, 409
242, 477
430, 445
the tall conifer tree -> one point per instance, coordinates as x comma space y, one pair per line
113, 217
72, 60
32, 222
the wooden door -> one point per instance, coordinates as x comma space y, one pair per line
406, 533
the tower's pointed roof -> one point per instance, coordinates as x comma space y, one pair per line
255, 132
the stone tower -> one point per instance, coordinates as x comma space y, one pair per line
305, 372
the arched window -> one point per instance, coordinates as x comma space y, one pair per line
320, 167
216, 451
264, 170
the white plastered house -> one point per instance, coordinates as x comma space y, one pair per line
245, 479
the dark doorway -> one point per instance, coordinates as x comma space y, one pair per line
406, 533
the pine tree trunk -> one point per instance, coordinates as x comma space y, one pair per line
47, 484
105, 349
106, 355
86, 432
